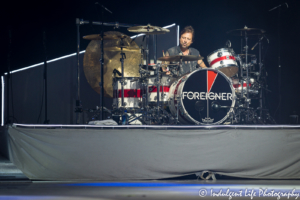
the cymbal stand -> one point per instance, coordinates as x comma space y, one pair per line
157, 83
247, 76
177, 97
123, 56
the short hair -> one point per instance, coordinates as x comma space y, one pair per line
188, 29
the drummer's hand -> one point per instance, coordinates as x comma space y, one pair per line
201, 64
165, 69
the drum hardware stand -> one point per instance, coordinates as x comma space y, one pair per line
158, 90
123, 56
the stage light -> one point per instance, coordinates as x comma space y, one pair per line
49, 61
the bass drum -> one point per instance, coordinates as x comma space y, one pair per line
205, 96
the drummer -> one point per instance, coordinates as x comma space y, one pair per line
186, 39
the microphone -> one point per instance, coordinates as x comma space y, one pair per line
97, 3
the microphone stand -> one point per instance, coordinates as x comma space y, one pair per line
101, 83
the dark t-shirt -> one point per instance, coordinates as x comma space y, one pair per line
187, 66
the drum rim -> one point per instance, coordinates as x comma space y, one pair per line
224, 66
182, 107
222, 50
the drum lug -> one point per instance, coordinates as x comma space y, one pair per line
220, 54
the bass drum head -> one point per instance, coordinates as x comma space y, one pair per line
207, 97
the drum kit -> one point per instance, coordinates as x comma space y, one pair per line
143, 93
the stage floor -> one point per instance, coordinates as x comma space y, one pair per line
185, 189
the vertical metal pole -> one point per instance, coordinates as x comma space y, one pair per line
157, 77
78, 103
8, 79
279, 65
147, 64
122, 81
45, 79
101, 84
247, 79
260, 70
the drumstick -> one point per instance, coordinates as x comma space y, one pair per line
163, 53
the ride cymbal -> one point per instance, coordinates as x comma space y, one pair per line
148, 29
249, 31
105, 37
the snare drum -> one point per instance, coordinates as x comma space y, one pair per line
224, 61
132, 93
205, 96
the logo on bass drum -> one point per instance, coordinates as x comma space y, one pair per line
205, 96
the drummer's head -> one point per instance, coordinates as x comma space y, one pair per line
186, 36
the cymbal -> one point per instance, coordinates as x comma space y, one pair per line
148, 29
123, 48
91, 64
177, 58
250, 31
106, 37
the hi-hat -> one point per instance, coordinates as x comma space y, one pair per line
179, 58
148, 29
105, 37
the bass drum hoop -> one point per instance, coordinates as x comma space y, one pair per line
184, 111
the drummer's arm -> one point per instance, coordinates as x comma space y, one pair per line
166, 62
201, 64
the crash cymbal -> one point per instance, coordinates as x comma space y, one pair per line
91, 64
177, 58
106, 37
123, 48
249, 31
148, 29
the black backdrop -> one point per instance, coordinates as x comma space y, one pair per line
211, 19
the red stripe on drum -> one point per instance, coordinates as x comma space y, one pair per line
239, 85
154, 89
130, 93
221, 58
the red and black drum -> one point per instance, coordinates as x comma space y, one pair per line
132, 93
223, 60
205, 96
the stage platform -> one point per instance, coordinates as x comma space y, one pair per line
148, 190
136, 153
